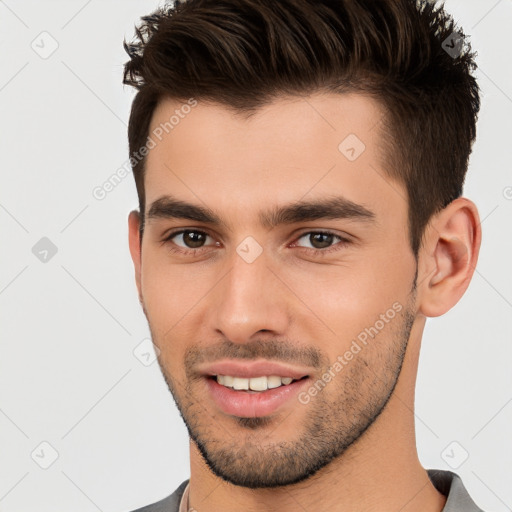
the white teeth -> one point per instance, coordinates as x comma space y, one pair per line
228, 380
273, 381
255, 383
240, 383
258, 383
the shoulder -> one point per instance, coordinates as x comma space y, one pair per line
446, 482
169, 504
450, 484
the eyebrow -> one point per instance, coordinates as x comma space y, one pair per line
337, 207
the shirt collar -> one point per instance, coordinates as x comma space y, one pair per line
184, 500
446, 482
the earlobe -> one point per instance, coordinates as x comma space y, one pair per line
135, 247
453, 238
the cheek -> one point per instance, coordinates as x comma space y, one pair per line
351, 297
172, 293
169, 296
163, 290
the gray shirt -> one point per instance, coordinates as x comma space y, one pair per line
446, 482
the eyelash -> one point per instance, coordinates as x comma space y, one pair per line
318, 252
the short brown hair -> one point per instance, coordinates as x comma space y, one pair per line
244, 53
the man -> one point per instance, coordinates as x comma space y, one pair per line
299, 166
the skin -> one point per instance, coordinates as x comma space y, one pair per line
213, 303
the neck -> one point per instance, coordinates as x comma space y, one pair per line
379, 472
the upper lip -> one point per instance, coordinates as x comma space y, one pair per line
249, 369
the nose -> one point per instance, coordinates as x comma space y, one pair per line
250, 299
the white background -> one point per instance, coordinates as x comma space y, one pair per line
68, 375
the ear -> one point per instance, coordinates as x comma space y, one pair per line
135, 246
448, 257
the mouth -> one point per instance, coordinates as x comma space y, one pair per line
254, 388
254, 397
254, 384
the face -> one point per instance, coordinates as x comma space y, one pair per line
269, 255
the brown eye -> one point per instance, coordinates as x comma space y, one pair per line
319, 240
190, 239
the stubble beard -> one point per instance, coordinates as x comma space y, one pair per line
245, 451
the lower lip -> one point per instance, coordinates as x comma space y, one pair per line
253, 405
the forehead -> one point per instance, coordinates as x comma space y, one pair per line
289, 149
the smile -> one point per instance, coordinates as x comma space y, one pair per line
255, 383
237, 396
